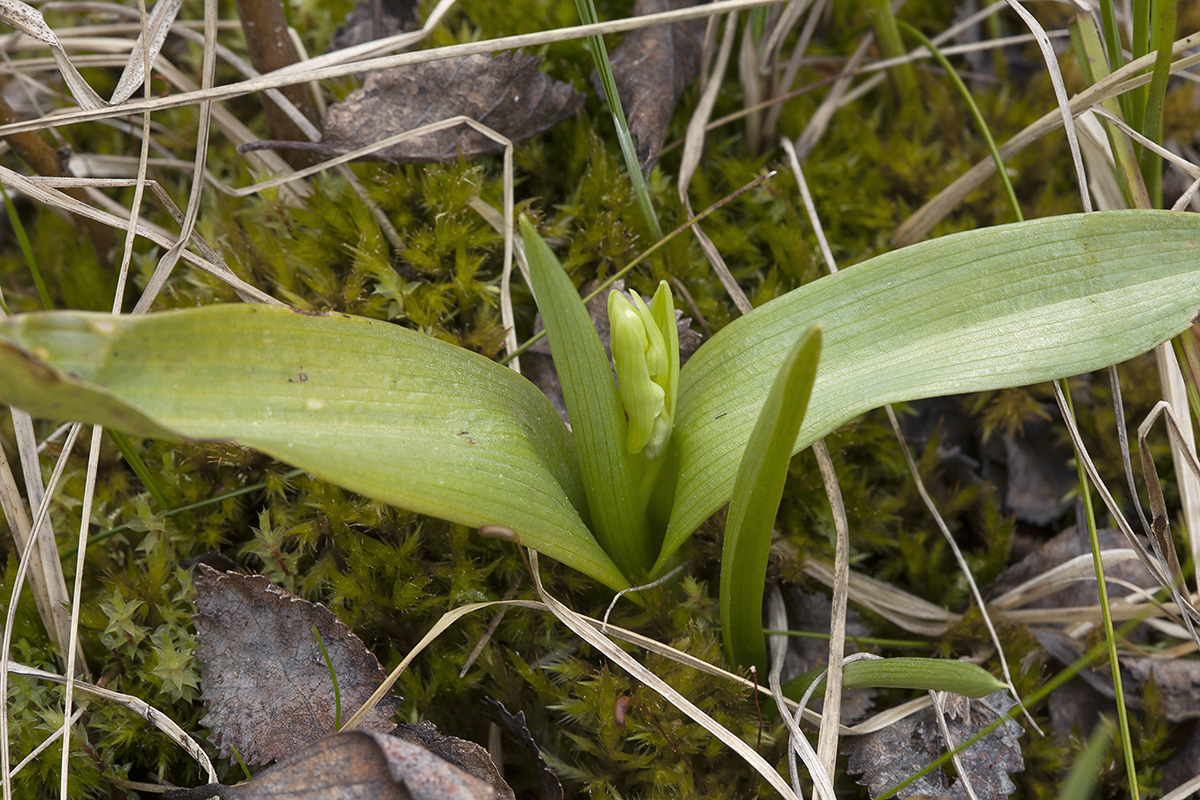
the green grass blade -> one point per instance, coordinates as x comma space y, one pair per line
756, 494
26, 249
1005, 306
609, 474
925, 674
1081, 782
379, 409
587, 15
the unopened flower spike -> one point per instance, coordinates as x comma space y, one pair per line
645, 351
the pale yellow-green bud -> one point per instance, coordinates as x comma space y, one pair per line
645, 350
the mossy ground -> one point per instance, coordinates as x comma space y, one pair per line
390, 574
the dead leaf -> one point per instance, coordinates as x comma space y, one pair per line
811, 611
467, 756
375, 19
652, 67
266, 686
1063, 547
354, 765
887, 757
1178, 679
508, 94
514, 726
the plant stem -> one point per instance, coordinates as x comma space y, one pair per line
266, 29
1106, 613
975, 112
587, 14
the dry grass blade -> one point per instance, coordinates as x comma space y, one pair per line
139, 707
693, 147
917, 226
797, 742
30, 21
10, 615
301, 74
912, 613
1160, 526
46, 579
1060, 93
1152, 564
832, 708
146, 48
958, 557
42, 193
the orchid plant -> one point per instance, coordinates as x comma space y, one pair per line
422, 424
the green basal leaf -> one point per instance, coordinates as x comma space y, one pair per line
1004, 306
938, 674
610, 476
756, 494
373, 407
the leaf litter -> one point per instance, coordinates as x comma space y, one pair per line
267, 688
652, 67
268, 692
887, 757
507, 93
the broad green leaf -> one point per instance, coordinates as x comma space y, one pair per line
755, 502
597, 420
378, 409
1004, 306
936, 674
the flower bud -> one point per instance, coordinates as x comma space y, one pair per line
645, 351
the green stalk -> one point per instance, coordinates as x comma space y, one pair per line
337, 694
1161, 38
1112, 48
1081, 783
587, 13
975, 112
888, 33
1089, 54
139, 467
1109, 636
26, 249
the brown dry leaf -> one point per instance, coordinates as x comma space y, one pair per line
355, 765
467, 756
887, 757
1177, 679
508, 94
514, 725
375, 19
652, 66
1063, 547
811, 611
266, 685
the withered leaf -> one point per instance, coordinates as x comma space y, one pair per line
375, 19
887, 757
514, 726
266, 686
1177, 679
508, 94
467, 756
355, 765
1063, 547
652, 66
811, 611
